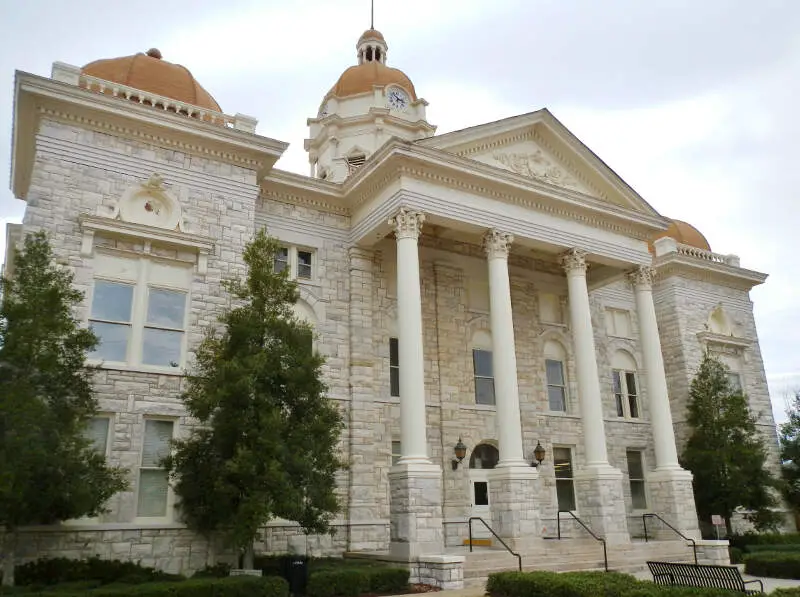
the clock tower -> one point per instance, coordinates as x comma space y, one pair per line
369, 104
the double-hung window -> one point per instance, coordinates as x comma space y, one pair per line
636, 479
556, 386
281, 260
297, 261
112, 319
394, 367
153, 500
484, 376
565, 484
627, 402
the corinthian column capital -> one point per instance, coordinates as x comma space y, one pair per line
642, 277
573, 260
407, 223
497, 244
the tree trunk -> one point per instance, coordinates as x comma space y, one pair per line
728, 527
249, 555
9, 556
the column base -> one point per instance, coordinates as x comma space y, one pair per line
601, 502
415, 510
672, 498
512, 502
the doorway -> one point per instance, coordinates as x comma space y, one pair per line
483, 459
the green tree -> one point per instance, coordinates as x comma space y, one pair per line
725, 452
49, 470
790, 453
267, 441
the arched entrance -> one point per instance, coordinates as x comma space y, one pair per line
483, 459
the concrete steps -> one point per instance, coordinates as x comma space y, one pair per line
570, 555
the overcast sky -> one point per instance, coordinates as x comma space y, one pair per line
693, 102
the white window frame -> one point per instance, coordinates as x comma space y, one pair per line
109, 438
643, 480
563, 385
169, 515
476, 377
624, 395
294, 262
571, 451
394, 367
138, 319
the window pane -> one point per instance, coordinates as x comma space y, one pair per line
635, 468
113, 345
556, 398
481, 493
153, 486
555, 372
638, 495
112, 301
396, 452
281, 260
166, 307
157, 435
394, 381
482, 362
303, 264
562, 463
620, 405
630, 381
616, 382
97, 433
633, 404
394, 352
484, 390
161, 347
566, 495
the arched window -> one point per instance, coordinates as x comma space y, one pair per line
555, 358
484, 456
626, 388
483, 371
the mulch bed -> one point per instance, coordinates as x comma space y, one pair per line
422, 588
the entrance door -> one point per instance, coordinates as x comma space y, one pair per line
483, 459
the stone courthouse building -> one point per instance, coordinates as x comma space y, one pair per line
497, 288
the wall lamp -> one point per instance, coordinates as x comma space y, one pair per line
460, 450
538, 454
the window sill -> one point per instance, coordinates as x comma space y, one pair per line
389, 400
309, 282
561, 414
111, 366
639, 420
483, 407
554, 324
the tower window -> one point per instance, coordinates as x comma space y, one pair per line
355, 162
369, 54
378, 54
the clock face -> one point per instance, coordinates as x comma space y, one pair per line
397, 99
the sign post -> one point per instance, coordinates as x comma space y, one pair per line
717, 521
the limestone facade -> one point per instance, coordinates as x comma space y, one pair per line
416, 320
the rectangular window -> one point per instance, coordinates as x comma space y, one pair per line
153, 479
484, 377
281, 260
394, 367
481, 490
556, 388
636, 479
565, 486
97, 433
164, 328
625, 397
734, 381
396, 452
111, 319
550, 310
618, 323
304, 265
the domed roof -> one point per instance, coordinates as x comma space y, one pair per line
362, 77
685, 234
150, 73
371, 34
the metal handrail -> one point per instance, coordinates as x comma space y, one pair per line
681, 535
588, 530
508, 549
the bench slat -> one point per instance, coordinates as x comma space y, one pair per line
700, 575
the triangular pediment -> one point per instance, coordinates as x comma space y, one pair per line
539, 147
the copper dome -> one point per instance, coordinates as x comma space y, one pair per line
150, 73
685, 234
362, 77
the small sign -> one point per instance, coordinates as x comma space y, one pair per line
716, 520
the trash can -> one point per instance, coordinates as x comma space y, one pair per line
296, 573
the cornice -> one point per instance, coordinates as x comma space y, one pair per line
372, 116
675, 264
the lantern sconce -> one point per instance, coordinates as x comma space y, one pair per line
538, 454
460, 450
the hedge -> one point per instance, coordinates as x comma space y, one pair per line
56, 571
352, 582
236, 586
794, 592
585, 584
785, 547
773, 564
746, 540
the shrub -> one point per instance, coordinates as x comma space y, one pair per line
736, 555
746, 540
53, 571
220, 570
338, 583
784, 547
773, 564
388, 580
793, 592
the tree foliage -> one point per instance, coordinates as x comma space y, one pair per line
49, 471
790, 453
725, 452
267, 441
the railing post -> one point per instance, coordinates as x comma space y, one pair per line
644, 524
470, 534
558, 518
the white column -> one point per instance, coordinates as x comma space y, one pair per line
407, 225
589, 395
504, 357
655, 377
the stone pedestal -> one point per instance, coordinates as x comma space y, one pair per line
443, 571
673, 499
416, 510
713, 552
601, 503
512, 499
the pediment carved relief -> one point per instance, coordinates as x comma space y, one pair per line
536, 165
149, 204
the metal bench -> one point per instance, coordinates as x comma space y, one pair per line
671, 574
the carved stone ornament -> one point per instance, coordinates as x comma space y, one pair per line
148, 203
642, 276
497, 244
574, 259
407, 223
536, 165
